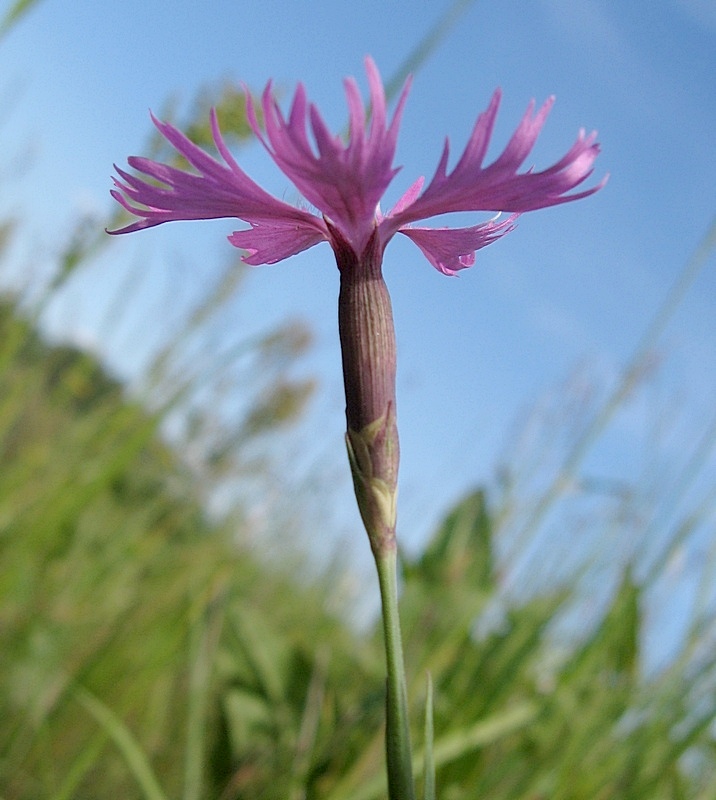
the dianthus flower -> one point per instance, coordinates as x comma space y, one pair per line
345, 181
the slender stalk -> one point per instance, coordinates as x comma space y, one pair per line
397, 734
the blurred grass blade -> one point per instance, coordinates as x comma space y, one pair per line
80, 767
484, 732
125, 742
205, 637
629, 377
310, 722
429, 767
450, 748
18, 9
425, 47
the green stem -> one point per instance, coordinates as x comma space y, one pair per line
397, 733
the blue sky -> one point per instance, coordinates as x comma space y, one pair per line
575, 284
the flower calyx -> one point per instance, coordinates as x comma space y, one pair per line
373, 456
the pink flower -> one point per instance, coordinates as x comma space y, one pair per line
345, 182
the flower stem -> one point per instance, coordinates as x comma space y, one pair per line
397, 734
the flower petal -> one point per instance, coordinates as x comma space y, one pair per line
218, 190
498, 187
452, 249
345, 181
408, 196
269, 241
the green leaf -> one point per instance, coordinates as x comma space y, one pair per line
451, 747
126, 743
429, 767
204, 641
461, 548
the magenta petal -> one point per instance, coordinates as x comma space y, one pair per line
452, 249
344, 178
344, 181
217, 190
523, 139
408, 197
498, 187
269, 241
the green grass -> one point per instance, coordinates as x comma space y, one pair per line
118, 593
144, 654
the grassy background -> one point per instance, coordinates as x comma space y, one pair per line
148, 650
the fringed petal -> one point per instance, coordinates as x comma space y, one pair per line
451, 249
270, 241
344, 181
498, 187
161, 193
